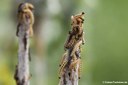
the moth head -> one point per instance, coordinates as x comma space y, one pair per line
25, 6
77, 19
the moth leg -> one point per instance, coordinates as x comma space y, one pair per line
61, 70
76, 47
62, 64
83, 40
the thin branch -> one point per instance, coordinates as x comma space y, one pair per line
25, 17
69, 72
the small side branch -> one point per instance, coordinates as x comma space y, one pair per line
70, 66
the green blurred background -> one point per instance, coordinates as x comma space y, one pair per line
104, 55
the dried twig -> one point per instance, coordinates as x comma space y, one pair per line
24, 31
70, 65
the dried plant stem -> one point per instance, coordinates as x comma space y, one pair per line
69, 72
22, 69
24, 28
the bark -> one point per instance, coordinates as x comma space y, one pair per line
22, 74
